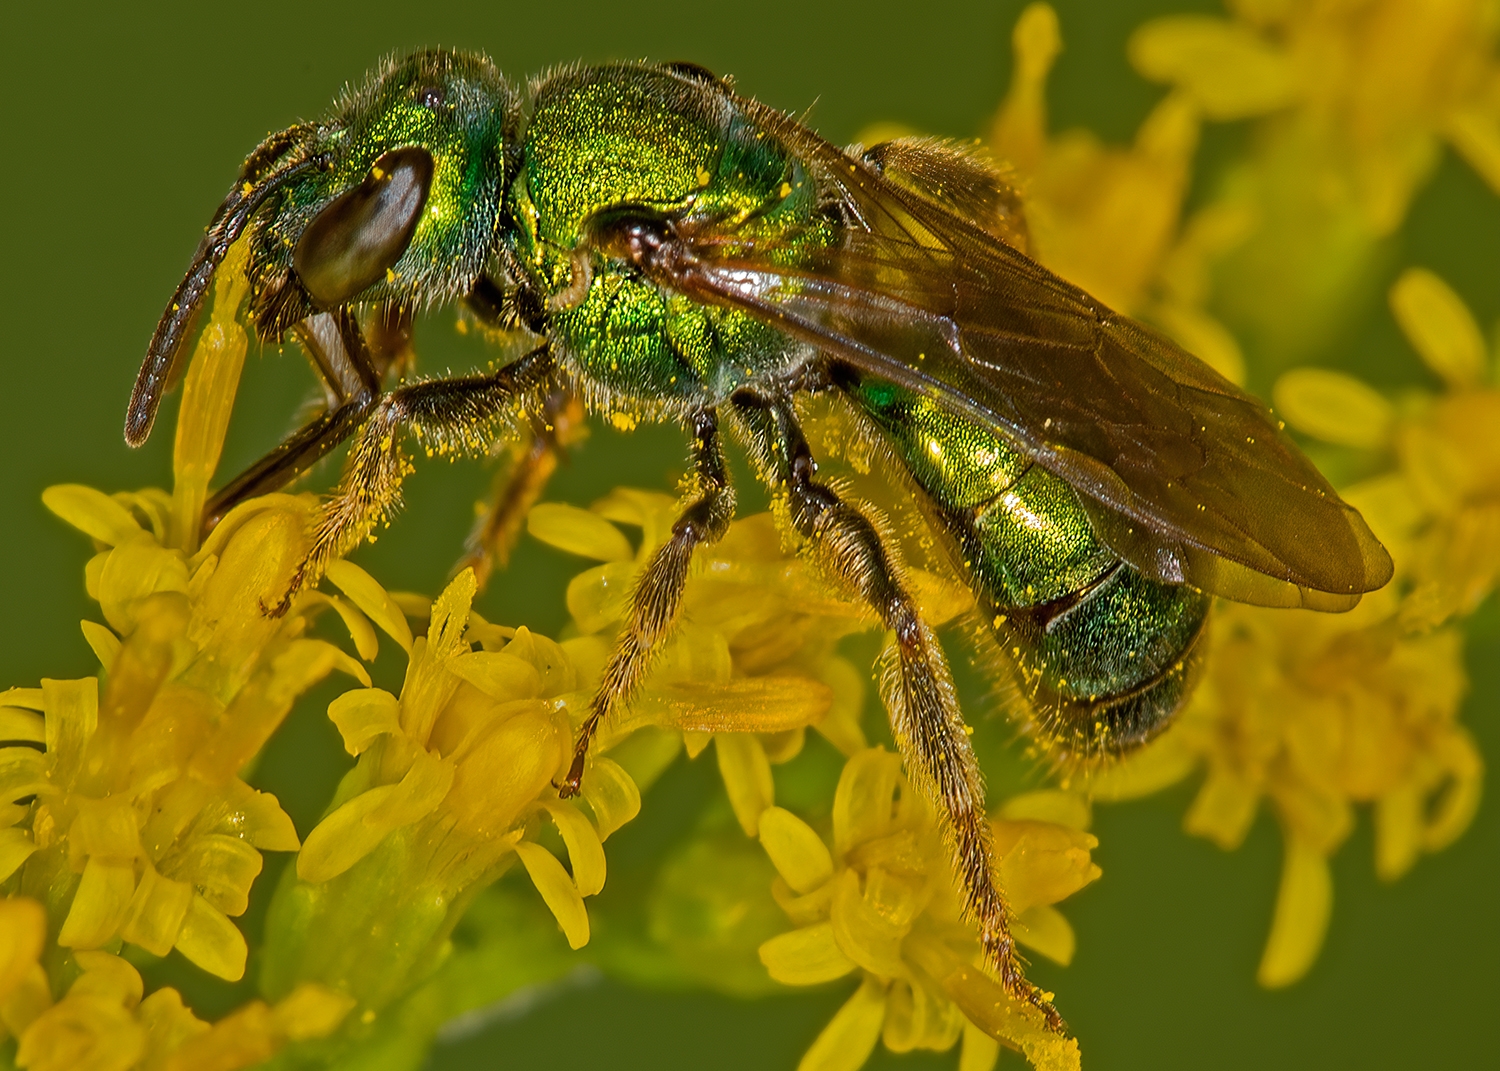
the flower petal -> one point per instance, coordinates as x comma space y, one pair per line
559, 892
808, 956
1440, 327
612, 793
1303, 904
849, 1038
209, 940
578, 531
747, 777
365, 592
797, 852
585, 849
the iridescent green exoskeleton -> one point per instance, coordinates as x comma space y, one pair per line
679, 252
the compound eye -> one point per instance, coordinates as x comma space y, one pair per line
353, 242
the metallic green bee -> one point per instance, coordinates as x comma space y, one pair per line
682, 253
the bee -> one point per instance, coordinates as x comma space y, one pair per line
678, 252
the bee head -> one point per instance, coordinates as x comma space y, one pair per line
391, 200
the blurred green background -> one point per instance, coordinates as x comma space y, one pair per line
125, 124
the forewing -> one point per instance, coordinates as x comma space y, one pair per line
1186, 476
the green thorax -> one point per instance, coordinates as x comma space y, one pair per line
667, 142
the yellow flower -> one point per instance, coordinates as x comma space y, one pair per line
137, 827
454, 778
1319, 712
883, 902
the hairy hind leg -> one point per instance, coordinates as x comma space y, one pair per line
448, 416
915, 683
658, 593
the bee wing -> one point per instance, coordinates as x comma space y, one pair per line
1185, 476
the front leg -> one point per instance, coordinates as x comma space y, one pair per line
658, 593
914, 683
449, 416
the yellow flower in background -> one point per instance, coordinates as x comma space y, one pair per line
883, 902
1316, 712
1351, 104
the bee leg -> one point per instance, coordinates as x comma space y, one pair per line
915, 683
449, 416
558, 425
658, 592
338, 352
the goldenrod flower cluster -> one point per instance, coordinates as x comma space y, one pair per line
130, 832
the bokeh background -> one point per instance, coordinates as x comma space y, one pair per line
124, 126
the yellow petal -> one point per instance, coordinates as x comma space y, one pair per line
797, 852
104, 643
16, 847
360, 629
498, 674
1440, 327
861, 932
506, 770
1044, 928
1334, 407
747, 777
559, 892
92, 512
208, 393
585, 850
209, 940
841, 725
578, 531
1042, 863
1475, 133
343, 838
599, 596
107, 829
1223, 809
915, 1018
168, 1022
1228, 69
808, 956
980, 1051
311, 1011
135, 569
363, 715
1458, 799
1303, 904
862, 801
23, 929
849, 1038
1398, 831
611, 793
156, 912
99, 904
222, 868
82, 1034
72, 709
18, 723
365, 592
743, 705
1055, 805
108, 976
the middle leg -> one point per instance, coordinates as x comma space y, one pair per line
915, 683
658, 593
448, 416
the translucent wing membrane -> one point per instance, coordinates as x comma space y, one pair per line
1185, 476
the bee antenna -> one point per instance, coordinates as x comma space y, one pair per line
176, 322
